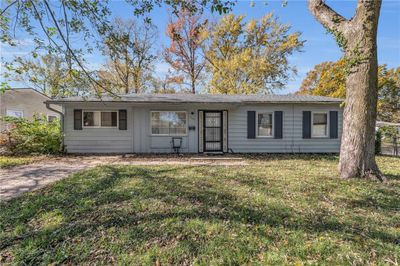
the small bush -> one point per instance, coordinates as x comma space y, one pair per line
378, 142
36, 136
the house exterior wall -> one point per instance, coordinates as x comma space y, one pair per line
138, 139
28, 101
292, 140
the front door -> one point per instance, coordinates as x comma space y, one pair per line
213, 137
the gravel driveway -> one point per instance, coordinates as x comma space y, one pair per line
25, 178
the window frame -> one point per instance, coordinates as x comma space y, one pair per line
100, 111
47, 117
312, 124
15, 111
273, 124
169, 135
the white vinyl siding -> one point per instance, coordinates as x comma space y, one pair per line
97, 140
138, 137
292, 140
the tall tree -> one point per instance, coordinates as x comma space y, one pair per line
389, 95
49, 74
326, 79
329, 79
357, 38
129, 49
169, 83
51, 24
252, 57
186, 34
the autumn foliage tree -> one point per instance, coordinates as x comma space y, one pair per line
250, 57
183, 55
326, 79
389, 95
329, 79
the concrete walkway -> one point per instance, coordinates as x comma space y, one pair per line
25, 178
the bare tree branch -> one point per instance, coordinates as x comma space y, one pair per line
72, 52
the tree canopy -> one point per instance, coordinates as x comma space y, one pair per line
329, 79
250, 57
130, 56
186, 34
49, 74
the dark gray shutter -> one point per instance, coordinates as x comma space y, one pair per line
278, 124
251, 124
78, 119
333, 124
123, 125
306, 124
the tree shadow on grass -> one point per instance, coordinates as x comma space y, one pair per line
111, 206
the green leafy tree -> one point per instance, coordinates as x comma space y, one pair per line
49, 74
252, 57
33, 136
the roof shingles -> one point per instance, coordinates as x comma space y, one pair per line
201, 98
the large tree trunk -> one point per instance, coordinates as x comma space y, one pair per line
357, 151
357, 37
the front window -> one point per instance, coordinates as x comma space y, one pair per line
264, 125
15, 113
100, 119
320, 125
168, 123
51, 118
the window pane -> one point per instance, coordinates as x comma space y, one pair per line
108, 119
51, 118
320, 119
114, 119
320, 125
168, 123
265, 124
91, 119
88, 119
13, 113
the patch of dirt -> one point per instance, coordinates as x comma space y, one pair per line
20, 179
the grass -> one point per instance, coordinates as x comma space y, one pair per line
278, 210
11, 161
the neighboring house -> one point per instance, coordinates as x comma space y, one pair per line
24, 103
390, 124
154, 123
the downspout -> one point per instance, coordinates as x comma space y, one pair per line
61, 122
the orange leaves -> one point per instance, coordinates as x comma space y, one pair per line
186, 37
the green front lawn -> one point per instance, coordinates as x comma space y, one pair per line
11, 161
277, 210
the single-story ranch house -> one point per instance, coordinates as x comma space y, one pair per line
201, 123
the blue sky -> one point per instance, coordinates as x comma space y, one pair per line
319, 45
